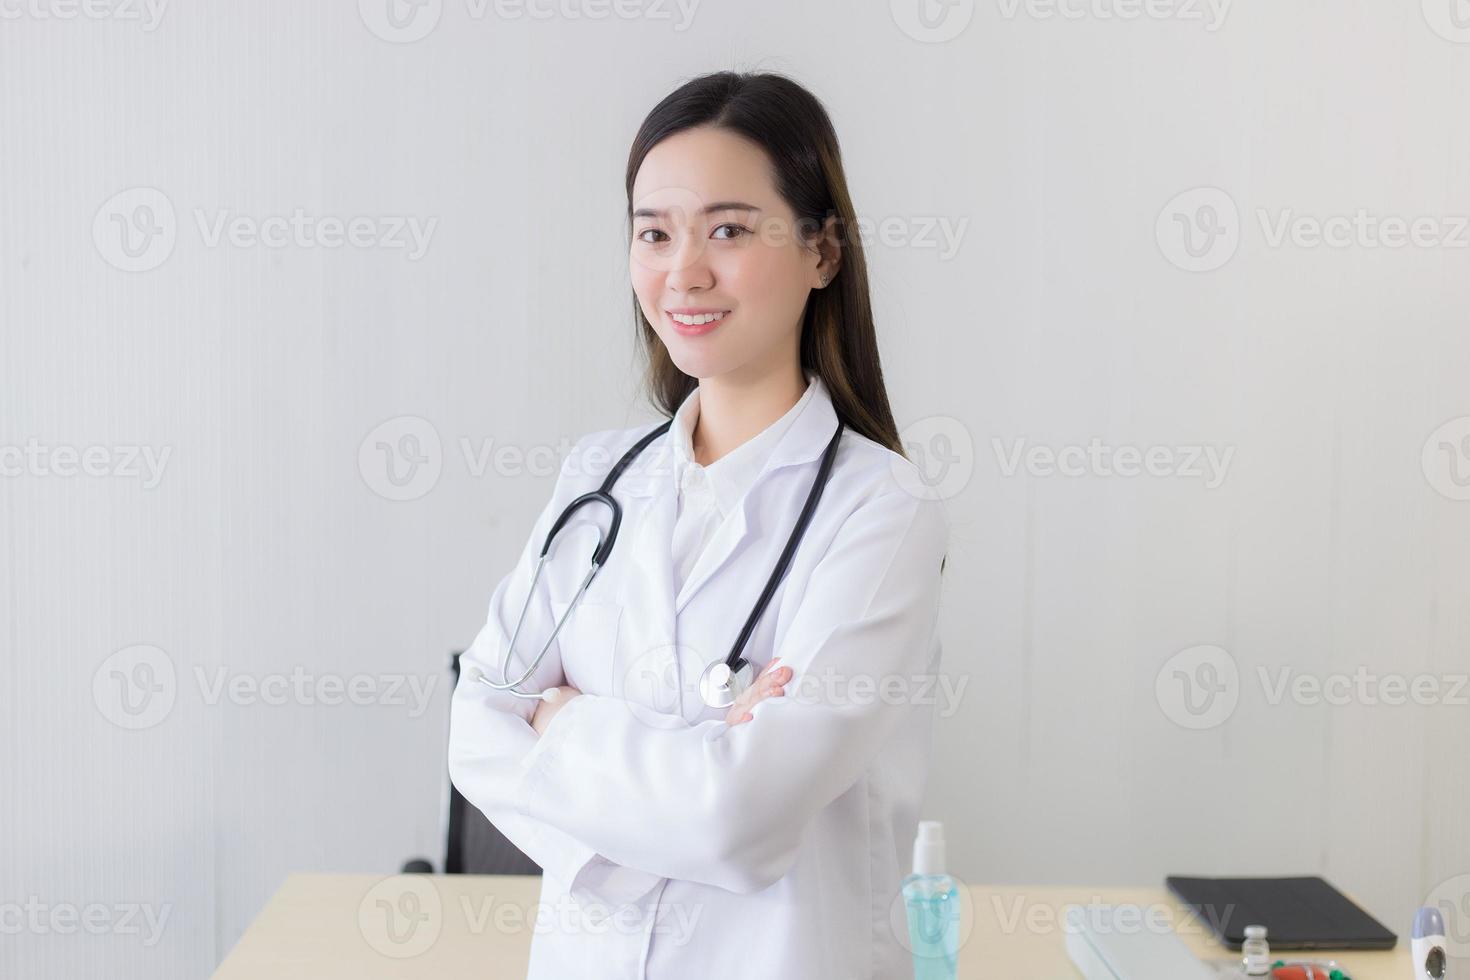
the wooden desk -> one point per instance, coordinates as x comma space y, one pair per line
479, 927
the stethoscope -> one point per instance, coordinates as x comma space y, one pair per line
722, 681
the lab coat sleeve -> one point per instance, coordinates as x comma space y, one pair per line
490, 733
727, 805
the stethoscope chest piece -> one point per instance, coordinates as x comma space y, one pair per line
719, 686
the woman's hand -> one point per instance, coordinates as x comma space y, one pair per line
546, 710
770, 684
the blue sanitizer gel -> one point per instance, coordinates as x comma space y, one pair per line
933, 902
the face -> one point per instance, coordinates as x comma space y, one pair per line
712, 237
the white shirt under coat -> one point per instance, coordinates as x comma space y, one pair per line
672, 844
708, 493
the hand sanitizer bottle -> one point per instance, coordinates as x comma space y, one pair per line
933, 902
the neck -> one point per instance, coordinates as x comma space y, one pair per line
733, 411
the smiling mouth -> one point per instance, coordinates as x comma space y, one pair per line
698, 323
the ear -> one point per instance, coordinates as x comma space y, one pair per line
829, 251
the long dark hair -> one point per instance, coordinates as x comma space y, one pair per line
838, 341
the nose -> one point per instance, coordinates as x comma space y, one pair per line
690, 268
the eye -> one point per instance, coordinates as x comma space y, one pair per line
647, 231
737, 231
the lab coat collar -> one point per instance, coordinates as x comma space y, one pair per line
803, 442
734, 473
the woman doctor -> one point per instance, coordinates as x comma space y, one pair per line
767, 838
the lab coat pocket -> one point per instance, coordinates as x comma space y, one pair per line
588, 643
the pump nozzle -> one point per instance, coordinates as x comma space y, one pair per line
929, 848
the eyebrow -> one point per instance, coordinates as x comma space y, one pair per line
717, 206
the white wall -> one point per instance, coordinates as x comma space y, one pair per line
1057, 142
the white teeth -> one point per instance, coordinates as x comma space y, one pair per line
694, 321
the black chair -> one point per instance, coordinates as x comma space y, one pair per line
473, 845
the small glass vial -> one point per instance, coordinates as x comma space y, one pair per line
1255, 953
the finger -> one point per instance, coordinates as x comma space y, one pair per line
768, 689
740, 710
775, 674
761, 689
768, 684
772, 682
737, 715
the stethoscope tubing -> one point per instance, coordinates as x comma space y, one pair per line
602, 495
735, 662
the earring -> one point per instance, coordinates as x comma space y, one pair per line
824, 279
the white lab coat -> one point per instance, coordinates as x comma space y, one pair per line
674, 846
